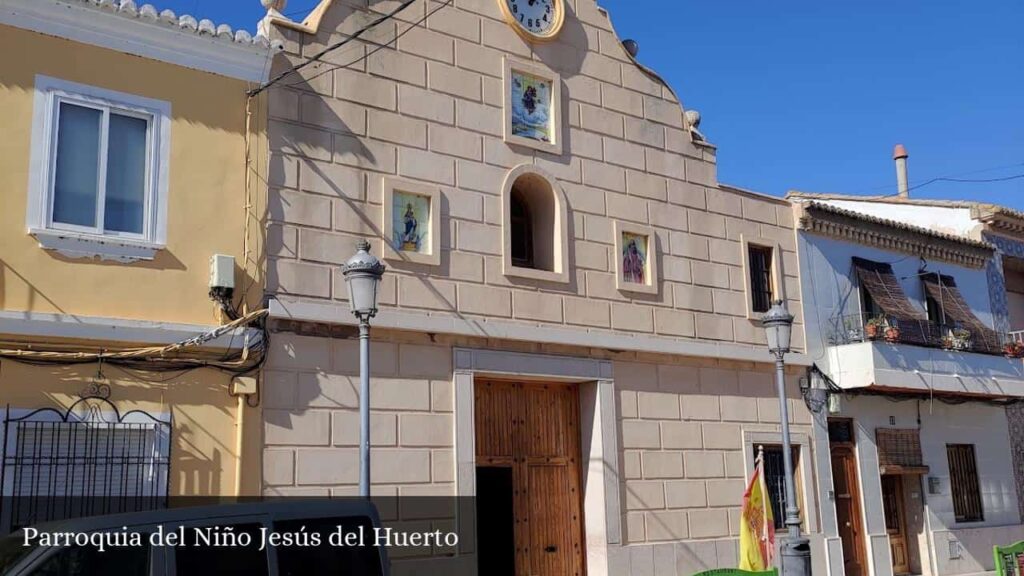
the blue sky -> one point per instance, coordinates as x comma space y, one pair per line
811, 95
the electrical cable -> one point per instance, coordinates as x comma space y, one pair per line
295, 69
177, 357
376, 48
955, 178
959, 181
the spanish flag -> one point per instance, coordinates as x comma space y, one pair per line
757, 524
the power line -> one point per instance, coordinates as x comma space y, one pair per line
376, 49
955, 178
405, 4
958, 174
959, 181
980, 181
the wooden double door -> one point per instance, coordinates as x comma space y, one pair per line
529, 511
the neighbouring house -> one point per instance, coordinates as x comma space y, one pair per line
913, 319
123, 171
572, 299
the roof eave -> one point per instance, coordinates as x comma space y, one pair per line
133, 33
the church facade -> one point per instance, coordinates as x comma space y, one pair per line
569, 320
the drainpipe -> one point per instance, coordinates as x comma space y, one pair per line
899, 154
241, 388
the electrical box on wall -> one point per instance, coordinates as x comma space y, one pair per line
222, 271
835, 403
954, 550
933, 485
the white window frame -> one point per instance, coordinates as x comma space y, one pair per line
83, 241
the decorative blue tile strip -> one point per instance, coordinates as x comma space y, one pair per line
997, 280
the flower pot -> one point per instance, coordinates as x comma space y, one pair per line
892, 334
871, 331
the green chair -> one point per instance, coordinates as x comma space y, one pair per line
737, 572
1009, 559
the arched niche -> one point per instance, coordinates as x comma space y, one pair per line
535, 226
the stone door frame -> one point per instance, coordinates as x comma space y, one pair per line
599, 441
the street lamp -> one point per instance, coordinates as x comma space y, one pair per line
363, 272
796, 550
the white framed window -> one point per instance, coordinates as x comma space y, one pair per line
99, 174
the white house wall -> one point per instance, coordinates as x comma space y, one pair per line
983, 426
829, 289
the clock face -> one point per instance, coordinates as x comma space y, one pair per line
538, 18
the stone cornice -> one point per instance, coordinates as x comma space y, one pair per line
999, 219
852, 226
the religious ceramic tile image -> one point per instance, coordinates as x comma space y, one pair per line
411, 221
636, 259
532, 106
410, 226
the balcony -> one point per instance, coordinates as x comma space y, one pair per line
880, 352
855, 328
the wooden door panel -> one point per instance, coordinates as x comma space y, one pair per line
533, 429
549, 547
847, 502
547, 414
495, 414
895, 523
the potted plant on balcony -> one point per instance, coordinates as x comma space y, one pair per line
854, 330
1014, 349
892, 333
957, 339
873, 327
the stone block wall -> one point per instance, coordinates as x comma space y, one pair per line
311, 420
429, 108
680, 425
682, 436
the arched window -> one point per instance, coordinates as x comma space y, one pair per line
536, 226
522, 231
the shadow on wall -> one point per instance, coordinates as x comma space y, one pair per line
8, 276
195, 476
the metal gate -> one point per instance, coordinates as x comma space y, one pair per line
89, 460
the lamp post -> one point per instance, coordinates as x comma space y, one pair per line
796, 550
363, 272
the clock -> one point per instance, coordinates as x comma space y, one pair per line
534, 20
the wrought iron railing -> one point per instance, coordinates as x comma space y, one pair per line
853, 328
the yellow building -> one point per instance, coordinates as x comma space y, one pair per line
131, 155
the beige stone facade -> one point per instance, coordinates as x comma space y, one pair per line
675, 385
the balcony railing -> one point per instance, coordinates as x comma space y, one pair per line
853, 328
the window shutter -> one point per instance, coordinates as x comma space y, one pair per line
963, 480
943, 290
879, 280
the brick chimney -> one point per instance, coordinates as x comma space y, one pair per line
899, 154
